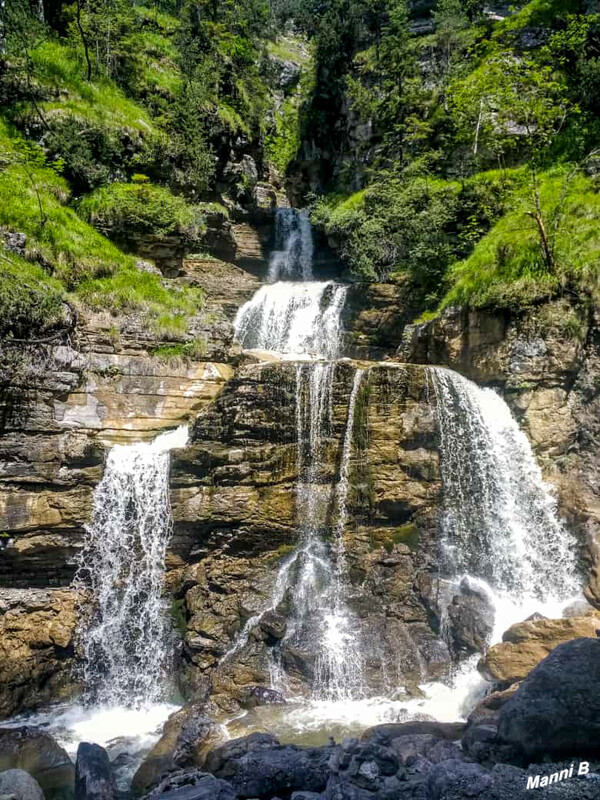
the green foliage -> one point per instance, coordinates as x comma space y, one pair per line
30, 301
122, 209
186, 351
417, 226
508, 269
75, 256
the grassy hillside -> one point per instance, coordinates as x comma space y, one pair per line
473, 147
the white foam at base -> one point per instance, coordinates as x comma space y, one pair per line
134, 730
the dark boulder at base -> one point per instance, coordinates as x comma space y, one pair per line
94, 778
556, 710
256, 767
458, 780
362, 770
18, 784
221, 761
188, 735
37, 753
192, 785
471, 617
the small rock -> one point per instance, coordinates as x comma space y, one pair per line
19, 784
458, 780
94, 779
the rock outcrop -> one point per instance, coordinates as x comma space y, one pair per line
37, 753
234, 506
527, 643
187, 737
556, 710
36, 647
19, 785
94, 778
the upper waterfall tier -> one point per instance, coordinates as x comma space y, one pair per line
292, 258
293, 319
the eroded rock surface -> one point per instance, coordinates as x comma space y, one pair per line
36, 647
525, 644
234, 505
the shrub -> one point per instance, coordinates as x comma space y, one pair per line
121, 209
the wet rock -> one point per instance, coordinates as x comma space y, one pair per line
256, 767
525, 644
192, 785
273, 624
264, 696
471, 621
188, 735
19, 785
458, 780
41, 756
94, 778
556, 710
384, 734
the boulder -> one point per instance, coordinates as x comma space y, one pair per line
94, 778
383, 734
221, 760
41, 756
256, 767
471, 617
18, 784
458, 780
188, 735
556, 710
192, 785
264, 696
525, 644
363, 770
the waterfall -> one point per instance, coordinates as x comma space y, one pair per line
123, 565
293, 319
293, 254
299, 319
340, 664
499, 519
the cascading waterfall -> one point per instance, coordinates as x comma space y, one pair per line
340, 665
293, 319
122, 564
292, 258
499, 521
300, 320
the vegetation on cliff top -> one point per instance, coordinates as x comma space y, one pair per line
117, 120
471, 140
456, 149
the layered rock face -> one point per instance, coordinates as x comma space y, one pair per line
546, 361
69, 404
235, 511
36, 647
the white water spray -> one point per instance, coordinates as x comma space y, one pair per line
292, 257
293, 319
499, 521
340, 664
123, 563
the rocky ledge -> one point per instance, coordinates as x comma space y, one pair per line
544, 735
